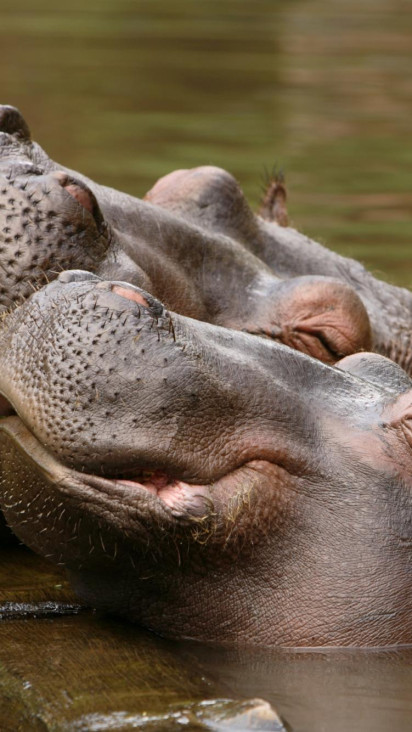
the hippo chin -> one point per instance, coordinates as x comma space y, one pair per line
201, 481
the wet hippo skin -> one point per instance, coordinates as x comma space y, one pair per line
203, 482
195, 244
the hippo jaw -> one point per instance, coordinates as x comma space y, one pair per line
190, 574
284, 543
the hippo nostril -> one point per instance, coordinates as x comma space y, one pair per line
13, 122
81, 193
130, 294
76, 275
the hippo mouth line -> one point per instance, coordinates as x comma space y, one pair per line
174, 498
6, 408
157, 483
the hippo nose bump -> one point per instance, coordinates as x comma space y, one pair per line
81, 193
76, 275
13, 122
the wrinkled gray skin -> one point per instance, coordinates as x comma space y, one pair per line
195, 244
204, 482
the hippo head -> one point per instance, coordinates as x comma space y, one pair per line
49, 220
204, 482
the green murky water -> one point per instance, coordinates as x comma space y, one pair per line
127, 90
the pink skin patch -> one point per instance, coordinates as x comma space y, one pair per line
80, 194
130, 295
174, 493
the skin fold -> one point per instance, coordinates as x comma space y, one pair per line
203, 482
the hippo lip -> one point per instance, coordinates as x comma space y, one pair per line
150, 493
159, 491
174, 494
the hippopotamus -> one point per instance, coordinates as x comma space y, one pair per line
53, 219
203, 482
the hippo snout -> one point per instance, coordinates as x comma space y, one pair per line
121, 385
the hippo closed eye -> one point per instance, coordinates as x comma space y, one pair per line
201, 481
